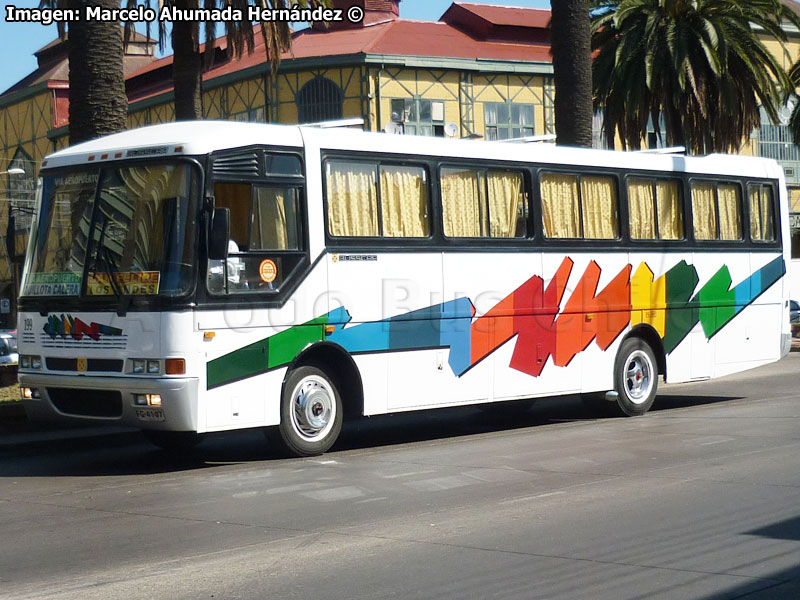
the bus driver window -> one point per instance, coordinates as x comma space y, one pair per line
229, 275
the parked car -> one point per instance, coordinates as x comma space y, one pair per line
794, 311
8, 348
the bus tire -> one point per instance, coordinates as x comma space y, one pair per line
172, 440
635, 377
311, 412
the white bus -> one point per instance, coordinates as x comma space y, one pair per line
198, 277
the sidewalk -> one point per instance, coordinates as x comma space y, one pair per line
17, 433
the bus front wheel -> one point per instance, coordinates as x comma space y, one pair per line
635, 377
311, 412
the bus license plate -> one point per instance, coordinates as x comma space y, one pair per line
150, 414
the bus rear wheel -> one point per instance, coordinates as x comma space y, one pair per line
311, 412
635, 377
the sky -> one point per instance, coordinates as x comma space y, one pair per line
18, 41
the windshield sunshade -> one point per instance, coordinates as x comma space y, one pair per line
124, 231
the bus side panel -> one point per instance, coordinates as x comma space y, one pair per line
247, 355
252, 402
751, 338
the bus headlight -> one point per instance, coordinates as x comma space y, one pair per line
27, 361
153, 366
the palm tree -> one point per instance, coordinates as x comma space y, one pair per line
700, 65
792, 101
97, 101
572, 71
188, 63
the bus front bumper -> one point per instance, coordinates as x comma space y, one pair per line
147, 403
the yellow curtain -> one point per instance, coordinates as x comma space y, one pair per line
640, 209
352, 199
462, 206
670, 213
599, 202
506, 204
762, 226
730, 212
236, 198
754, 194
704, 211
560, 212
404, 202
268, 230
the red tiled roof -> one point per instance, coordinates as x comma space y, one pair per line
513, 16
399, 37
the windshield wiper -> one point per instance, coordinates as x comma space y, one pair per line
105, 257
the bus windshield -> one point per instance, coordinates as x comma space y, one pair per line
113, 231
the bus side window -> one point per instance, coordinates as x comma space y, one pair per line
273, 224
655, 211
716, 211
367, 199
482, 203
762, 216
579, 207
236, 197
228, 275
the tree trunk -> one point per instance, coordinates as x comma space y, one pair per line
187, 69
572, 71
97, 101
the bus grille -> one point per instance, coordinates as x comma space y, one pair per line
87, 403
92, 364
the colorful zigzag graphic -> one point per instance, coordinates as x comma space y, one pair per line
532, 314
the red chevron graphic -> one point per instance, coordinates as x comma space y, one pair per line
531, 313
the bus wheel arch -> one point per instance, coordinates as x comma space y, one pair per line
650, 335
340, 366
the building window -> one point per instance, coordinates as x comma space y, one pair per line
419, 117
319, 100
775, 141
252, 115
506, 120
22, 189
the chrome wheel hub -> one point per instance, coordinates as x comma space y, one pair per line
313, 408
639, 377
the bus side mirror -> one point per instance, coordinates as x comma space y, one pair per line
219, 234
